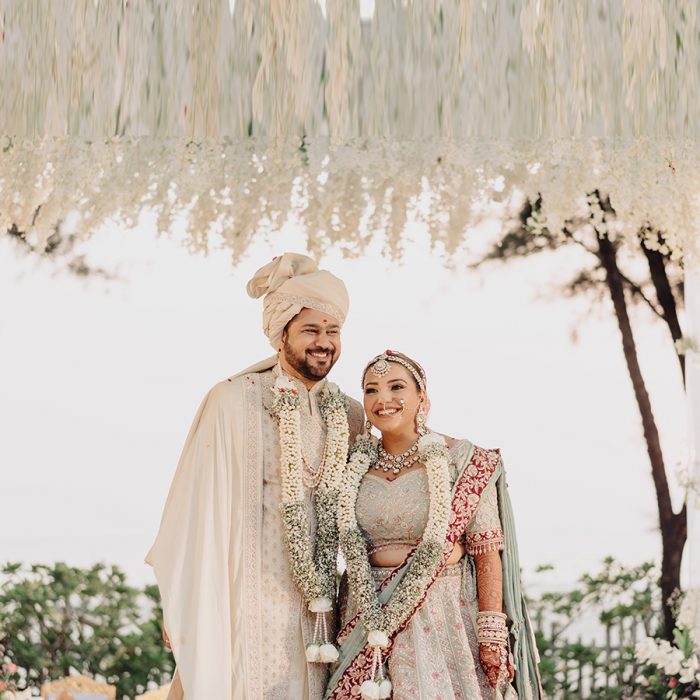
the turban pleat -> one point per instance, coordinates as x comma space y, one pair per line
290, 283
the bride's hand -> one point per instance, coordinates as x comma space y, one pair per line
491, 663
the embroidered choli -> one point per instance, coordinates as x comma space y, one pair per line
396, 512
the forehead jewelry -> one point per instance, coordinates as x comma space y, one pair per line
379, 366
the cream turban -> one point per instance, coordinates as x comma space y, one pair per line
291, 283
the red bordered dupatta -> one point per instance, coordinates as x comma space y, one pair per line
467, 491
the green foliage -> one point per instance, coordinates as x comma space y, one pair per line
620, 598
615, 593
57, 619
682, 639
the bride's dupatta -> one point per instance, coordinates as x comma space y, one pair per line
355, 662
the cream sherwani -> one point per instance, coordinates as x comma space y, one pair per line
237, 623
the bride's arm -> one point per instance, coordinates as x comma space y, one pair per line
489, 584
484, 543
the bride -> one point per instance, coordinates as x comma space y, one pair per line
431, 605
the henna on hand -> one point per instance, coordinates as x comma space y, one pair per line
491, 663
489, 580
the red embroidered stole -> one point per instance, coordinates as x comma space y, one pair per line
473, 480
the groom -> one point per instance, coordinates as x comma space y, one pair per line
236, 619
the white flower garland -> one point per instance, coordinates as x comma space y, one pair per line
312, 569
382, 622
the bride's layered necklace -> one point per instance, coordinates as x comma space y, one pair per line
313, 568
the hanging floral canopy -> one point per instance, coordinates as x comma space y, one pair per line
348, 118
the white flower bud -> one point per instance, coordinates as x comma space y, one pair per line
313, 653
328, 654
430, 439
377, 638
385, 689
320, 605
370, 690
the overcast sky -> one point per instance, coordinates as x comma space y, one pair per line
100, 381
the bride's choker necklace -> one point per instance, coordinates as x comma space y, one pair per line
395, 463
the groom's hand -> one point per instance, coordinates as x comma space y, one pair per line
166, 639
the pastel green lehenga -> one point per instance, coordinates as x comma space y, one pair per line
437, 654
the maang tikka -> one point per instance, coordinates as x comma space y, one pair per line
379, 366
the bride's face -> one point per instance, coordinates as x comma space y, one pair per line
392, 400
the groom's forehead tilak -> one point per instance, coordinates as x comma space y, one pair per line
311, 318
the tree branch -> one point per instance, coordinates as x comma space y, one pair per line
638, 291
664, 292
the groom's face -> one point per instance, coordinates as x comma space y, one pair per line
311, 344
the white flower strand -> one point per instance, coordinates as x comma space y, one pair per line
285, 405
433, 452
382, 622
76, 186
313, 572
673, 661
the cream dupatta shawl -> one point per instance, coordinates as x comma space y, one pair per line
206, 556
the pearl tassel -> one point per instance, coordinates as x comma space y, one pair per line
378, 687
321, 651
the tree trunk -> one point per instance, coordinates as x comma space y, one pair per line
673, 525
664, 293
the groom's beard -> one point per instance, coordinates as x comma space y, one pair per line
308, 366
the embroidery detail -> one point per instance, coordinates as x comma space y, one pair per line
254, 480
305, 302
483, 542
393, 512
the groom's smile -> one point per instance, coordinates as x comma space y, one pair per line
311, 344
